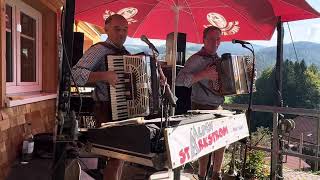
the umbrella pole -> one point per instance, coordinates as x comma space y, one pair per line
174, 54
277, 146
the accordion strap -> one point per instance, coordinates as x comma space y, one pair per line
117, 51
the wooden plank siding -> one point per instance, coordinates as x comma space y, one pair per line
2, 53
49, 53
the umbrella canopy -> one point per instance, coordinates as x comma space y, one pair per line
245, 19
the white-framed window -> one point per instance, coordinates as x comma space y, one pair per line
23, 48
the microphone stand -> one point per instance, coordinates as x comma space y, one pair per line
167, 96
249, 110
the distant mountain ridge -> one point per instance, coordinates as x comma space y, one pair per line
265, 56
225, 47
307, 51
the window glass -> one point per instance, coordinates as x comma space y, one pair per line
9, 55
28, 49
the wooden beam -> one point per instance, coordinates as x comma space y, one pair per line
318, 143
44, 5
49, 52
88, 31
2, 53
275, 109
275, 147
54, 5
289, 153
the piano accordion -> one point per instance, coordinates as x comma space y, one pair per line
235, 74
137, 92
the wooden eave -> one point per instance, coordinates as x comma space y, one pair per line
54, 5
89, 31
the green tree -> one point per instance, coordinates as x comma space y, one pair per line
300, 89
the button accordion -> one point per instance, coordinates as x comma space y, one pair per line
235, 75
137, 92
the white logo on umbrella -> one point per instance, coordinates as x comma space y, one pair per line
127, 13
227, 28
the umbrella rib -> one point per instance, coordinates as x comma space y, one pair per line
198, 2
174, 3
254, 26
267, 19
167, 10
144, 19
113, 2
95, 7
160, 2
194, 21
143, 3
211, 7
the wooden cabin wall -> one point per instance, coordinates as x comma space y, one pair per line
41, 115
13, 122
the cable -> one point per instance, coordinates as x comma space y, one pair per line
294, 47
193, 175
59, 161
69, 66
86, 167
249, 111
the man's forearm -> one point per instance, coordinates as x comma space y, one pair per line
197, 77
97, 76
187, 79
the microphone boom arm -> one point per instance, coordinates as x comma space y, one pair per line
163, 80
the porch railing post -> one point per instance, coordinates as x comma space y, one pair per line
278, 91
318, 143
275, 147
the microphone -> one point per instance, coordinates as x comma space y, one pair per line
151, 46
236, 41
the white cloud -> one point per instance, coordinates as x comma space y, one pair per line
314, 33
315, 4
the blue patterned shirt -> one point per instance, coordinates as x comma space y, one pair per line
93, 60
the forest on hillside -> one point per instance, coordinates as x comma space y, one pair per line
301, 89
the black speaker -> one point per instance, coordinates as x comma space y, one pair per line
78, 40
181, 41
181, 47
184, 97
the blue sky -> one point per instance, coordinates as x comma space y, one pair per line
305, 30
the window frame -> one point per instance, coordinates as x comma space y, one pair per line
17, 86
13, 43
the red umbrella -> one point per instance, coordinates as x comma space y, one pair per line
245, 19
238, 19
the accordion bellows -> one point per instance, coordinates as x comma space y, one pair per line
235, 74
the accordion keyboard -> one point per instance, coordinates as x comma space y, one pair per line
130, 96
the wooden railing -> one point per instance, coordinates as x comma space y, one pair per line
275, 136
